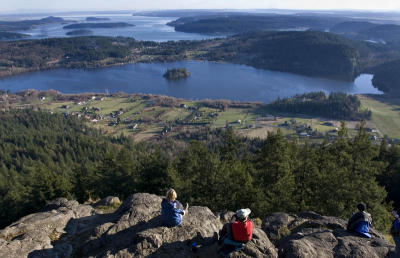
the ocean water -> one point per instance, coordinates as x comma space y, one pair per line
146, 28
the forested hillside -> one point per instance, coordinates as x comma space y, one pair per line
44, 156
81, 52
38, 155
310, 53
387, 77
238, 23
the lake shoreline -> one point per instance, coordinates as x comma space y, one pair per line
208, 80
100, 65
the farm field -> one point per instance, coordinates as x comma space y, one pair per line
385, 114
147, 117
151, 117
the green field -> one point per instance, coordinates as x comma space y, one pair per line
147, 118
385, 114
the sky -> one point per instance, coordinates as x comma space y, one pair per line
96, 5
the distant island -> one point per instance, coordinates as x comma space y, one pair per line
98, 25
239, 23
97, 19
176, 74
28, 24
79, 32
4, 35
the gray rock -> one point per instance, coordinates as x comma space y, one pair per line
68, 229
109, 200
37, 231
275, 225
226, 216
309, 234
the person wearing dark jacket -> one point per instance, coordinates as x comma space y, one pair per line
172, 210
396, 223
235, 235
360, 222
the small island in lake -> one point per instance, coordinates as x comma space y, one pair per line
176, 74
97, 19
106, 25
79, 32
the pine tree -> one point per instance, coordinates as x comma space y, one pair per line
275, 175
307, 178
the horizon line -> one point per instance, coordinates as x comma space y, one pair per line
44, 11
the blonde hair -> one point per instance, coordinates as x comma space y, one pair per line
171, 195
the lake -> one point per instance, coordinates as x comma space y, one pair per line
146, 28
208, 80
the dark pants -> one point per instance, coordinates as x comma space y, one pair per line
226, 250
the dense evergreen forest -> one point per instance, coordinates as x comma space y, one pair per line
81, 52
44, 156
339, 106
309, 53
387, 78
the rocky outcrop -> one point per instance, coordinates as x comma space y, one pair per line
311, 235
67, 229
39, 230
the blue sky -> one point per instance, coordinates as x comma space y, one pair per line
67, 5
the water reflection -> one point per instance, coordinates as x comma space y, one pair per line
207, 80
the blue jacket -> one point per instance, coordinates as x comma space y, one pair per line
362, 228
170, 215
360, 223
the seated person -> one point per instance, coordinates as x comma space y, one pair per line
360, 221
236, 234
171, 210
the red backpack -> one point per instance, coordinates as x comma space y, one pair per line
242, 231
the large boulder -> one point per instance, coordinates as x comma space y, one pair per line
39, 230
309, 234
